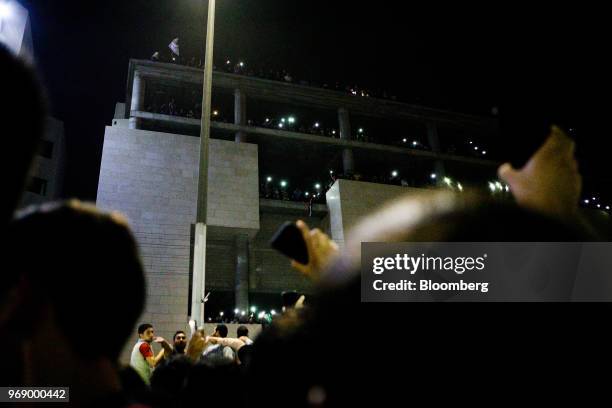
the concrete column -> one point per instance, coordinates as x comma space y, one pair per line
242, 272
434, 143
199, 273
348, 161
240, 113
138, 96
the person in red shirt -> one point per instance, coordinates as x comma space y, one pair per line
143, 359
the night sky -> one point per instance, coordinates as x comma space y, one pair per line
538, 67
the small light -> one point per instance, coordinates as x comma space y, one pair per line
484, 152
280, 125
607, 207
598, 205
492, 187
394, 173
360, 130
459, 186
586, 201
405, 140
236, 311
471, 142
447, 181
333, 132
216, 113
273, 312
228, 62
317, 125
476, 148
283, 183
415, 143
291, 120
243, 313
507, 188
498, 185
221, 314
283, 120
307, 194
5, 9
267, 120
594, 199
253, 309
331, 172
269, 179
317, 186
433, 176
241, 64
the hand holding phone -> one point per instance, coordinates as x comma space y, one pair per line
289, 241
311, 250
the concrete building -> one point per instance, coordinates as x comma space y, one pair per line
47, 175
149, 172
15, 29
48, 171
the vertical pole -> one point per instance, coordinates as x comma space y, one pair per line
348, 161
242, 272
434, 143
138, 94
199, 258
240, 113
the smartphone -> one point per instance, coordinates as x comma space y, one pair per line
289, 241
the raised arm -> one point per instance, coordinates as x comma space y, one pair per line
550, 182
235, 344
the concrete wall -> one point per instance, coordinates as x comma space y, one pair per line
119, 111
349, 201
233, 192
271, 272
152, 178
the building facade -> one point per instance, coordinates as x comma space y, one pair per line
15, 29
46, 181
260, 175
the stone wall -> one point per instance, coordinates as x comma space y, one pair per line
349, 201
152, 178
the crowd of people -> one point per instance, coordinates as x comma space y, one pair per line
238, 67
218, 350
271, 189
192, 109
75, 288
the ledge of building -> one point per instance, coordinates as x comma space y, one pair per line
304, 137
289, 207
292, 93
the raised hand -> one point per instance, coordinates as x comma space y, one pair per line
321, 250
550, 182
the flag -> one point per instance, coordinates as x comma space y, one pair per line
174, 47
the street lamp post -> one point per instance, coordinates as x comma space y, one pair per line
199, 253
